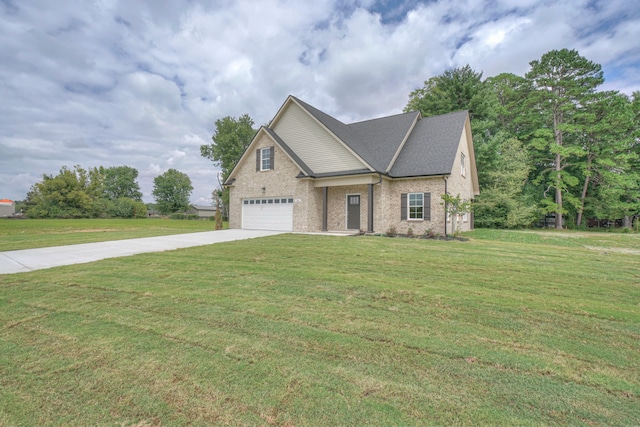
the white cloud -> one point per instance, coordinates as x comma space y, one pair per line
141, 83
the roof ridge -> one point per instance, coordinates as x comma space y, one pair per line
383, 117
446, 114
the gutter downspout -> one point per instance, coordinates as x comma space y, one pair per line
446, 207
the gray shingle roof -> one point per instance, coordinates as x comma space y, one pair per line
381, 138
375, 141
430, 149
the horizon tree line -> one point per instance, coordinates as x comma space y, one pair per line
104, 192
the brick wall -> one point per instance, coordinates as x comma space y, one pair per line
281, 181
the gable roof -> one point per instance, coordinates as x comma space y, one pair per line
376, 140
402, 145
432, 147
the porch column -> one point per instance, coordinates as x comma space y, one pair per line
370, 210
325, 202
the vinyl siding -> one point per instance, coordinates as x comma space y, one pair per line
313, 144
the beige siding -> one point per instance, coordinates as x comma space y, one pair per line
313, 144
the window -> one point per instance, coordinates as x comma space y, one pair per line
271, 201
265, 159
416, 205
463, 169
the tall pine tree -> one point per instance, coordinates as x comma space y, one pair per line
563, 83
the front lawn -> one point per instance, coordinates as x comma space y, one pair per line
319, 330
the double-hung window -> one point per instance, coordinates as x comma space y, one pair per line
265, 159
416, 205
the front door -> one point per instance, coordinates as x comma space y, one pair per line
353, 212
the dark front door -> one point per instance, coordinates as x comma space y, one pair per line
353, 212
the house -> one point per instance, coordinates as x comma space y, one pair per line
307, 171
202, 211
7, 208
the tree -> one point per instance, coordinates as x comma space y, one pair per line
125, 207
507, 95
607, 165
563, 82
230, 139
454, 90
455, 207
502, 203
73, 193
172, 190
121, 181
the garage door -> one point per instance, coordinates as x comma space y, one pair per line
271, 213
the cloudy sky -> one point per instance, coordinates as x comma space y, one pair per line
142, 82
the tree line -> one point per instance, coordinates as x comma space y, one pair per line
548, 144
101, 192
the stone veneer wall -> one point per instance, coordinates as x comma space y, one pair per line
457, 184
281, 181
387, 205
307, 209
337, 206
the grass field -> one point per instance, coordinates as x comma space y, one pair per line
40, 233
509, 328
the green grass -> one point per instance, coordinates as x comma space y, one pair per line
39, 233
596, 240
317, 330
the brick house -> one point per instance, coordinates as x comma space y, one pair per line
307, 171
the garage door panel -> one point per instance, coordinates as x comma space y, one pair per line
272, 213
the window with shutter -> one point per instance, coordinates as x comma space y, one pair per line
427, 206
265, 159
415, 206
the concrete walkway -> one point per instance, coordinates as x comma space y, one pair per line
37, 259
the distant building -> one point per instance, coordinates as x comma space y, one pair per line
202, 211
7, 208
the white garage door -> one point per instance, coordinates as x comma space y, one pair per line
269, 213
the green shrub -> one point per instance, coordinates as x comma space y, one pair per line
125, 207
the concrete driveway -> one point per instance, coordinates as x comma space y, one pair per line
37, 259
